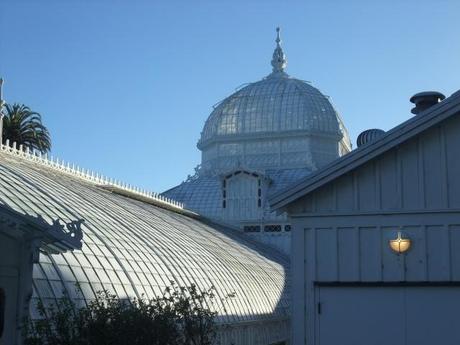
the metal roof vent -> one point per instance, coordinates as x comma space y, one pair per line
425, 100
369, 136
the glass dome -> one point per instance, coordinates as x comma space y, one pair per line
275, 104
278, 129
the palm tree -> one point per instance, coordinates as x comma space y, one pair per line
24, 126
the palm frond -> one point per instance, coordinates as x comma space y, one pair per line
25, 127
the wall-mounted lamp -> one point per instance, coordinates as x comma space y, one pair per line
400, 244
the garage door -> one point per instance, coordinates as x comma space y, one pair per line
388, 315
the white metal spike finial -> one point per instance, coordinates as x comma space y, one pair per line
279, 61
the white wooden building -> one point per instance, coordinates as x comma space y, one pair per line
349, 286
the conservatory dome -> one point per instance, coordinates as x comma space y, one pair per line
273, 106
262, 138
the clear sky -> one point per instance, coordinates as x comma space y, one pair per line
125, 86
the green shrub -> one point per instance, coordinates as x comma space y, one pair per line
181, 317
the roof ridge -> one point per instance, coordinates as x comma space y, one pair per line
97, 179
395, 136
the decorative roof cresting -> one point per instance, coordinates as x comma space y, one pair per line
92, 177
279, 61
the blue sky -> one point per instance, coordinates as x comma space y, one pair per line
125, 86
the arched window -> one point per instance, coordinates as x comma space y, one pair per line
242, 195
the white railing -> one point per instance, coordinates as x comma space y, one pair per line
85, 174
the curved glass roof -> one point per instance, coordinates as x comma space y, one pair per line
277, 103
133, 248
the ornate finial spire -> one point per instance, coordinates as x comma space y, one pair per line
279, 61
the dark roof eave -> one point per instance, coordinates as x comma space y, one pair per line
399, 134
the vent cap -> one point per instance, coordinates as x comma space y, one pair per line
368, 136
425, 100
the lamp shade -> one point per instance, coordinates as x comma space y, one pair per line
400, 244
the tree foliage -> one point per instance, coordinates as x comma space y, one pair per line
24, 126
181, 317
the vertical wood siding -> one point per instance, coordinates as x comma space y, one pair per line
298, 284
362, 253
342, 249
420, 174
341, 231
